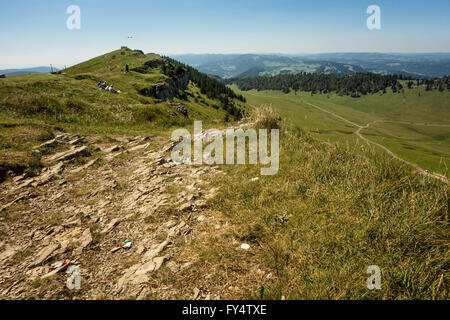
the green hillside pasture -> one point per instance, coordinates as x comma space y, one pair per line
295, 111
426, 146
113, 62
428, 107
429, 146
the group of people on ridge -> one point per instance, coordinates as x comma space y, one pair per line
104, 86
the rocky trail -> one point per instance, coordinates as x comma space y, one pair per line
119, 211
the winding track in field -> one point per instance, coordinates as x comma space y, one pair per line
360, 128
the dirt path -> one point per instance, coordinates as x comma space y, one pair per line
81, 212
360, 128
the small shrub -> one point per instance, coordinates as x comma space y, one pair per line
266, 118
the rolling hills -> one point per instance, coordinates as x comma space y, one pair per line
245, 65
35, 70
252, 65
413, 64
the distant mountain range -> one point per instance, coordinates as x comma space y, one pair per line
425, 65
417, 65
251, 65
18, 72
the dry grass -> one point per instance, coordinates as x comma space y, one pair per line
266, 118
316, 226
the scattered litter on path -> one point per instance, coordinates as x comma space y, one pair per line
57, 266
245, 246
127, 244
116, 248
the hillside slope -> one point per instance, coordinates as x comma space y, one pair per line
410, 122
110, 200
312, 229
156, 94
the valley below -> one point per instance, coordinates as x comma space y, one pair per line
414, 129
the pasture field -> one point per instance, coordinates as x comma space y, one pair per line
418, 129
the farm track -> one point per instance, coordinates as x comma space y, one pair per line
360, 128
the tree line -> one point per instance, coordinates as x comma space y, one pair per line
352, 85
439, 84
212, 88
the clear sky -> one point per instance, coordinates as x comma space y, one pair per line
34, 32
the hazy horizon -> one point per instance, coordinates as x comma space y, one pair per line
233, 53
36, 34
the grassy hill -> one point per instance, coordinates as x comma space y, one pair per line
33, 107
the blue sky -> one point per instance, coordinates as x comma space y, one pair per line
34, 32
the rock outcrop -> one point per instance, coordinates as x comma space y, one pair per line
168, 89
71, 154
154, 63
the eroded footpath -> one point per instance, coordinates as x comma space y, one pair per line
118, 211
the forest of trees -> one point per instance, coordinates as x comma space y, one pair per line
439, 84
212, 88
352, 85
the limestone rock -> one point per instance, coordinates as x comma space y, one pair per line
111, 226
85, 240
113, 149
49, 174
196, 294
86, 166
185, 207
49, 143
71, 154
7, 252
45, 254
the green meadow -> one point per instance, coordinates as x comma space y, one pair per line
419, 131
